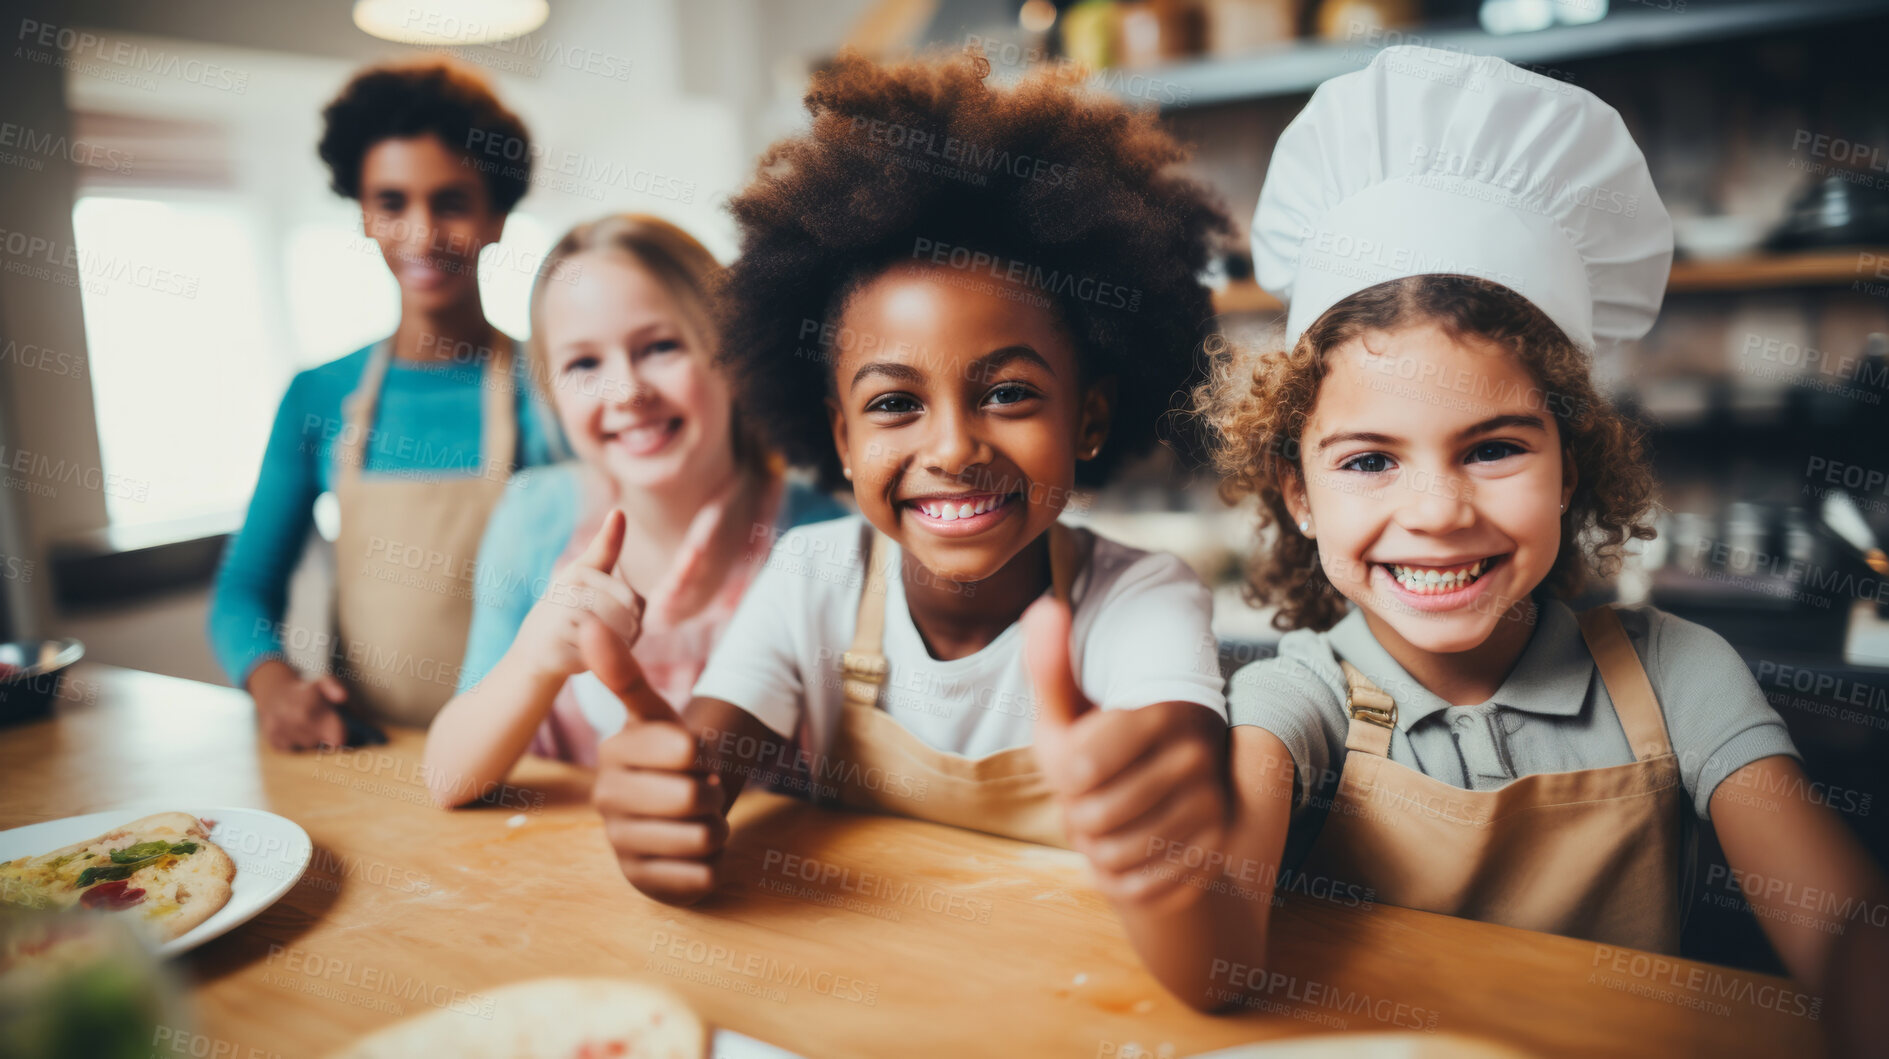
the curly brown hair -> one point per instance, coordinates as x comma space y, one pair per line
435, 97
904, 162
1256, 410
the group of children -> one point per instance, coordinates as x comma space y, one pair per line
1433, 470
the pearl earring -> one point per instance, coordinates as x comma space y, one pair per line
1305, 525
847, 473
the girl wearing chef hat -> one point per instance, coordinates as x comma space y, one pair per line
1455, 239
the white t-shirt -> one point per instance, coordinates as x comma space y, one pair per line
1141, 634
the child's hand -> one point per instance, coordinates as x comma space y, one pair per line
663, 811
1134, 783
587, 587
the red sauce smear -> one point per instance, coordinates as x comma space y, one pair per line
112, 895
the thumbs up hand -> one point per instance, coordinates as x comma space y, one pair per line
1136, 785
1061, 703
664, 811
587, 587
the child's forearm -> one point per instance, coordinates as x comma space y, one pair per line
1855, 1022
735, 746
1784, 846
482, 732
1196, 950
1201, 949
1805, 875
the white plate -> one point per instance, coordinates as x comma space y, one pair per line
271, 853
1368, 1045
727, 1044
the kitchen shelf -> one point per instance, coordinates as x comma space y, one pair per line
1815, 268
1299, 67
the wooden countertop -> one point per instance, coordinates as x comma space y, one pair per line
843, 934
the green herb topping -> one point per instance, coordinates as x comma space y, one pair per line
103, 873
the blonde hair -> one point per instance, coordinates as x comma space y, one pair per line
1255, 410
681, 265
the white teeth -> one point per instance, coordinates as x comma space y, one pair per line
646, 435
1430, 580
953, 510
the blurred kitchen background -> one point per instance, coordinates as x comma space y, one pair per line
168, 150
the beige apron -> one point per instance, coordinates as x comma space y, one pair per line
1590, 854
406, 552
880, 765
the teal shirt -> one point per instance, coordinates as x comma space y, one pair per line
529, 530
428, 421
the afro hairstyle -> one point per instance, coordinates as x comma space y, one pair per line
925, 161
436, 97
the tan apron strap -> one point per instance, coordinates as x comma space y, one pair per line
1626, 682
863, 666
357, 414
498, 434
1372, 714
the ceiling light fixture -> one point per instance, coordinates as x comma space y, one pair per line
450, 23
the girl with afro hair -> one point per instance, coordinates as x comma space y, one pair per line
963, 301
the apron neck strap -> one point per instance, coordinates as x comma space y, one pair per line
1626, 682
1373, 714
498, 426
863, 667
498, 420
357, 417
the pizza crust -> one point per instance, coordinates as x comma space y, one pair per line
550, 1018
198, 885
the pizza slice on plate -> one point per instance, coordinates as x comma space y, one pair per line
162, 870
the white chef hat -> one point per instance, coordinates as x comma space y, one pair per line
1431, 161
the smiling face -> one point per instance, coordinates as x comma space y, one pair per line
1434, 479
960, 415
635, 392
431, 216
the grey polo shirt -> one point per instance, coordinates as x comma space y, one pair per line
1552, 713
